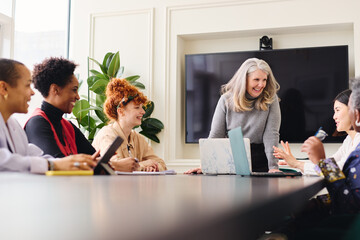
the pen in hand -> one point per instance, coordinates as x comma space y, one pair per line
130, 155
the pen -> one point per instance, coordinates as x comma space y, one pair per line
128, 147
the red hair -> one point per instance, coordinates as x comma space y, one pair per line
119, 91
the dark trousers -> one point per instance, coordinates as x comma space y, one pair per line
259, 160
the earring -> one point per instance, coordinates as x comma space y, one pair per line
357, 123
5, 96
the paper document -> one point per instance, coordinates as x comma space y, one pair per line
166, 172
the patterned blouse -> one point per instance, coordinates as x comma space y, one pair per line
343, 186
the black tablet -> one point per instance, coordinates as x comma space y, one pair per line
103, 168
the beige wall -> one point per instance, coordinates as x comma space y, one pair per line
153, 36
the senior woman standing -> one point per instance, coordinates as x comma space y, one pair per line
16, 154
249, 101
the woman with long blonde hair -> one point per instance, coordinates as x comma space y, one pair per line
249, 100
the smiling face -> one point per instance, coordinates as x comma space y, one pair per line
341, 117
132, 114
67, 95
256, 82
20, 94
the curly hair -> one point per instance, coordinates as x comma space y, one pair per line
52, 70
9, 72
119, 92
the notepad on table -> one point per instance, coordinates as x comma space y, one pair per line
166, 172
70, 173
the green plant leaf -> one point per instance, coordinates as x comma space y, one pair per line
150, 136
100, 76
91, 108
101, 115
148, 109
88, 120
79, 106
93, 131
99, 86
114, 65
100, 100
95, 73
103, 68
120, 72
91, 80
151, 131
105, 61
132, 78
138, 85
153, 123
108, 61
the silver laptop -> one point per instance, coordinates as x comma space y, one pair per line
216, 155
242, 161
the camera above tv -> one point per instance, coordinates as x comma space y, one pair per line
309, 79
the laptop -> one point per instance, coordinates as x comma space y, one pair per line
242, 161
102, 167
216, 156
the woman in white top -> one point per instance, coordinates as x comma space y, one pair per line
16, 154
343, 124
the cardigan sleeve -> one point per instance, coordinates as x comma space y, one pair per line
271, 133
218, 123
343, 187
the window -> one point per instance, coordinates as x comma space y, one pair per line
6, 27
41, 31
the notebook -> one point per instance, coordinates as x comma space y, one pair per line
216, 156
166, 172
242, 161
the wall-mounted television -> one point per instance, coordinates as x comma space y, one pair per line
309, 80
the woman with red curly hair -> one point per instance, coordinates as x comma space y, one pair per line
124, 107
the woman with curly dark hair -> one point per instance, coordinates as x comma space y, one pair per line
46, 128
15, 151
123, 106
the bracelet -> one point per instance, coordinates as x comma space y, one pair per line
50, 165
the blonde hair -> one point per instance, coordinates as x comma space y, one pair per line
236, 87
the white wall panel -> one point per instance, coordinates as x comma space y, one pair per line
112, 32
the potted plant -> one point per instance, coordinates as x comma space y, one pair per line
97, 82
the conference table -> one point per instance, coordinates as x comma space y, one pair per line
147, 207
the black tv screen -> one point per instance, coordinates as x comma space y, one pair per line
309, 79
